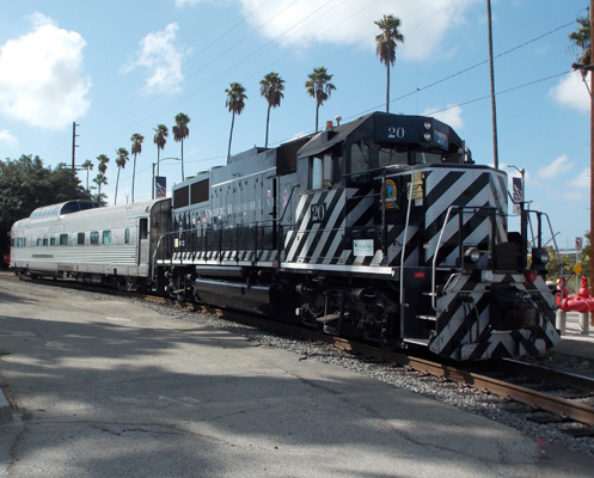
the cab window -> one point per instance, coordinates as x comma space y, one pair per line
321, 171
359, 158
390, 155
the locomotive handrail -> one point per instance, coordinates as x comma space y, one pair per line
256, 224
435, 254
403, 253
539, 214
439, 243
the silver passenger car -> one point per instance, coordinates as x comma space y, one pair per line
77, 239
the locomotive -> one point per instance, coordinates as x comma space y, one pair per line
382, 228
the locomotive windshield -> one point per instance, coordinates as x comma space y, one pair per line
365, 158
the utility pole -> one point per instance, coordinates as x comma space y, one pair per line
493, 110
591, 148
74, 145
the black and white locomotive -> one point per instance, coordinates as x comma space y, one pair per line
382, 228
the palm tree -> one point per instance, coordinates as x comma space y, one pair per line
88, 165
103, 160
137, 140
160, 138
386, 46
271, 88
319, 87
181, 131
99, 180
235, 103
121, 161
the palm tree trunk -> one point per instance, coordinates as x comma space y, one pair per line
115, 198
317, 111
267, 124
182, 158
388, 87
133, 177
88, 179
230, 136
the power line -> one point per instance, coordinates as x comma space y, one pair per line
418, 89
507, 90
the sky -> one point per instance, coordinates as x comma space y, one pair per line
121, 67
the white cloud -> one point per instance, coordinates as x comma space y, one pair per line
451, 115
319, 21
159, 55
41, 79
572, 92
558, 166
8, 139
582, 180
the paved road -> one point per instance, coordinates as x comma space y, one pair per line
106, 387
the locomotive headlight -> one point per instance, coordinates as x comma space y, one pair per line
427, 124
472, 255
540, 256
427, 136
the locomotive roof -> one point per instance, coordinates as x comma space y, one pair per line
373, 126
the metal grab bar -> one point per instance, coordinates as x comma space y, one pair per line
435, 254
460, 211
404, 241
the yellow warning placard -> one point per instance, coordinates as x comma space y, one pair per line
417, 187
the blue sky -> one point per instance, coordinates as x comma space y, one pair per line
120, 67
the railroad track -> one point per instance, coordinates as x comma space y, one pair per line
561, 395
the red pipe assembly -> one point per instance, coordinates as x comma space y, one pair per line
582, 303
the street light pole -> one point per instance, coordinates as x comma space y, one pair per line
492, 73
154, 186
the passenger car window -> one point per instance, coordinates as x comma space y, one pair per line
127, 236
106, 239
94, 237
63, 239
80, 240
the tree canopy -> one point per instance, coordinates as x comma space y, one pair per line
25, 184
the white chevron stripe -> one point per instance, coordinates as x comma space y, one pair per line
452, 227
331, 225
302, 227
448, 198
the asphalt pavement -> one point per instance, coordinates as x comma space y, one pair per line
108, 387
